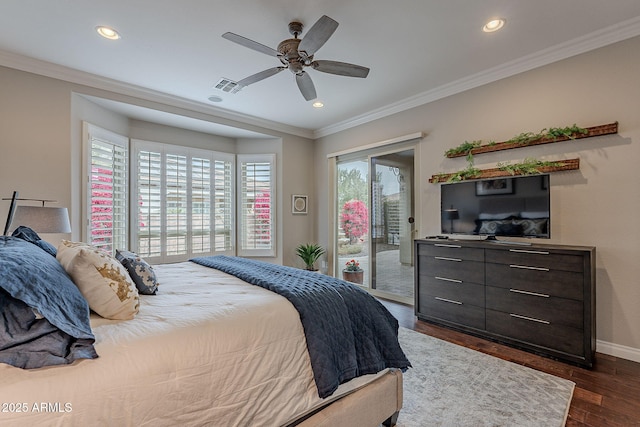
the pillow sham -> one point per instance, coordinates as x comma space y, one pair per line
533, 227
33, 281
103, 281
140, 271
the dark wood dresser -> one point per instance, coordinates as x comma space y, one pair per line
537, 297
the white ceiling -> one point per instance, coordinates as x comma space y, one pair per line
417, 50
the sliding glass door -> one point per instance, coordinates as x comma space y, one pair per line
375, 222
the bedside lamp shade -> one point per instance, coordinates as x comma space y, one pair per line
42, 219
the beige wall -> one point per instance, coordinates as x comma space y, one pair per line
41, 149
597, 205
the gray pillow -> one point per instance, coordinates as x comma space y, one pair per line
140, 271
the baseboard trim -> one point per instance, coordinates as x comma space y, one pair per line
618, 350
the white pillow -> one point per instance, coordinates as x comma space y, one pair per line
500, 215
104, 282
534, 214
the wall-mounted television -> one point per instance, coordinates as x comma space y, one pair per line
514, 206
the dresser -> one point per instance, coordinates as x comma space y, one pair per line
537, 297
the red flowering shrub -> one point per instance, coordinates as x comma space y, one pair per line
354, 219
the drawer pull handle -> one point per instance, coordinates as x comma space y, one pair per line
526, 267
448, 280
448, 300
444, 258
535, 294
442, 245
529, 318
524, 251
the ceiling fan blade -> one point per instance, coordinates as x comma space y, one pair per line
305, 84
318, 35
243, 41
340, 68
260, 76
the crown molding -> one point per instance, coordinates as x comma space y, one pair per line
59, 72
595, 40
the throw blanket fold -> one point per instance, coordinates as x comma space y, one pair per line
349, 333
44, 319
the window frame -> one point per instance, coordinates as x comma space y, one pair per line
89, 132
242, 226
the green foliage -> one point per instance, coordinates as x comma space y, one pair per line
469, 173
524, 138
528, 166
309, 253
521, 139
566, 132
351, 186
465, 148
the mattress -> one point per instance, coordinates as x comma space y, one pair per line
209, 348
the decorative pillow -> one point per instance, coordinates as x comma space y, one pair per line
140, 271
509, 229
488, 226
533, 227
103, 281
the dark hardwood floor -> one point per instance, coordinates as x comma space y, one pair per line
607, 395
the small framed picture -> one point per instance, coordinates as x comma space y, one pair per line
299, 204
494, 186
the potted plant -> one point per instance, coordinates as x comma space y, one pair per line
352, 272
309, 253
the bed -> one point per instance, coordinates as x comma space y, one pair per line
207, 349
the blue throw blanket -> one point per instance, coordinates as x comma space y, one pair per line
349, 333
32, 281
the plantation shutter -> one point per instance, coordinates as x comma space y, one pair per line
224, 212
107, 188
256, 205
149, 204
185, 202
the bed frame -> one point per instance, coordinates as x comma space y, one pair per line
376, 403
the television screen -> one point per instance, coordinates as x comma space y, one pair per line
514, 206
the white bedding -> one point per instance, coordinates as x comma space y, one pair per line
209, 349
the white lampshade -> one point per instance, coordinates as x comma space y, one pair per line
42, 219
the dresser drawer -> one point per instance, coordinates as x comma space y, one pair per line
564, 284
452, 268
555, 311
551, 336
462, 314
451, 250
466, 293
536, 258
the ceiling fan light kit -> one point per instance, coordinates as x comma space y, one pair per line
296, 54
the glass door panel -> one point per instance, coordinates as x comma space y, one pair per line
353, 219
392, 226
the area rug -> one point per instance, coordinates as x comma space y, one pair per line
450, 385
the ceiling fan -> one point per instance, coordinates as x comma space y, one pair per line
296, 54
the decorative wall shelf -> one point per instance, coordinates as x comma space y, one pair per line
607, 129
565, 165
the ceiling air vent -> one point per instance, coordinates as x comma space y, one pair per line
228, 85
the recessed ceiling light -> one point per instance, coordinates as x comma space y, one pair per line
214, 98
108, 32
318, 104
494, 25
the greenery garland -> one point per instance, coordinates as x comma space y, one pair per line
521, 139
